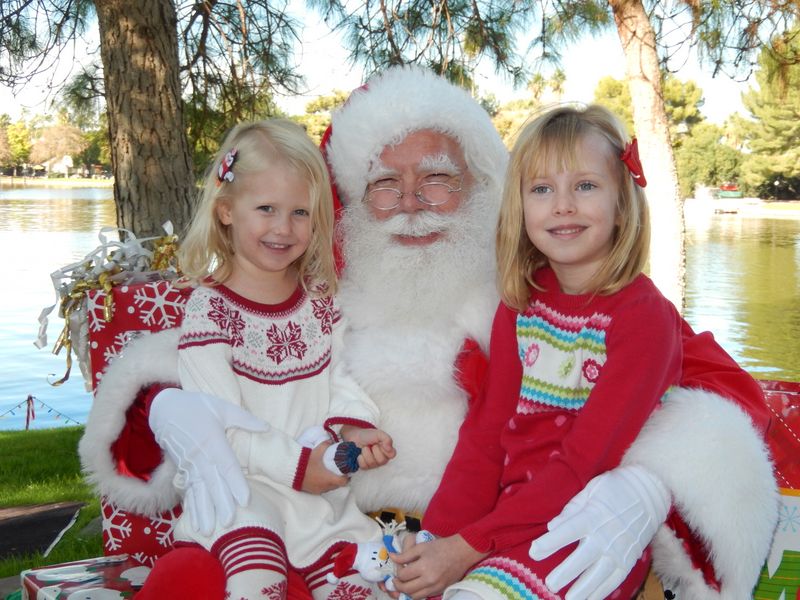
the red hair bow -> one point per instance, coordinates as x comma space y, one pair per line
630, 156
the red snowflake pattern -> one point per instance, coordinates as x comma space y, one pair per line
285, 343
228, 320
276, 591
350, 591
591, 370
323, 310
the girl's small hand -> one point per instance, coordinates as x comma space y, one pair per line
318, 479
376, 446
425, 570
409, 540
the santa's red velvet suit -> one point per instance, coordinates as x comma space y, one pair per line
420, 323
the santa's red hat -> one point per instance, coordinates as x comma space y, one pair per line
397, 102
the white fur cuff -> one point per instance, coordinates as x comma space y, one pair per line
711, 458
148, 360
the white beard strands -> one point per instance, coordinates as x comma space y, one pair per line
385, 282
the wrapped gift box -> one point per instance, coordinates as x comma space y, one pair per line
107, 578
135, 310
780, 577
145, 538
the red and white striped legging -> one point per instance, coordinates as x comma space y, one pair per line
256, 564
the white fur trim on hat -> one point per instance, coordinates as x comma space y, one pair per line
402, 100
707, 452
148, 360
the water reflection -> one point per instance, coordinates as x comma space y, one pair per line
40, 231
743, 284
74, 210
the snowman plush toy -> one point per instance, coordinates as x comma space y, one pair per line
371, 559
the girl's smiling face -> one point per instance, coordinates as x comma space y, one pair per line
269, 217
571, 214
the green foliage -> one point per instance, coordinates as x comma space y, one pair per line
327, 104
615, 95
318, 114
702, 154
704, 158
31, 36
682, 101
41, 467
19, 142
82, 98
512, 116
207, 123
97, 151
448, 36
233, 57
5, 150
489, 103
772, 166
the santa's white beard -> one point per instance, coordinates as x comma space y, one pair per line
409, 310
415, 285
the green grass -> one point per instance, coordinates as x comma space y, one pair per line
40, 467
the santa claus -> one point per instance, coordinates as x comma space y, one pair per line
418, 290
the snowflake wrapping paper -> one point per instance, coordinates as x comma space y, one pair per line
138, 310
144, 538
780, 577
109, 578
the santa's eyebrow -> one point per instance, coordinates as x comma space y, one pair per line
429, 163
378, 170
439, 162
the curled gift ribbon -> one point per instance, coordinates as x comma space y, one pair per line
630, 156
111, 263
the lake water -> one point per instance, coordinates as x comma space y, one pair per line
743, 284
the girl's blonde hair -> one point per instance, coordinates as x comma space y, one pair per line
549, 142
206, 247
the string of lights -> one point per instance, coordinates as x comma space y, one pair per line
29, 406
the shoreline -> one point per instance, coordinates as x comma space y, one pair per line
742, 207
693, 207
44, 182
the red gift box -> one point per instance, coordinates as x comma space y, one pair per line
783, 436
780, 577
145, 538
106, 578
136, 310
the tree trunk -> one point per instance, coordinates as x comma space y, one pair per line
153, 180
667, 251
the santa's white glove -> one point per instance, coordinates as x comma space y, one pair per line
615, 516
190, 428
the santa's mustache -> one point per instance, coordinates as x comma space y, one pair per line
416, 225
